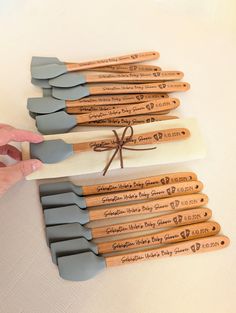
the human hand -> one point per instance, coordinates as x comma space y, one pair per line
9, 175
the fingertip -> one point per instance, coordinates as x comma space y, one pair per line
36, 164
36, 138
25, 135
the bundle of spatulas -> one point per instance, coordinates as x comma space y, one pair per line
137, 209
117, 91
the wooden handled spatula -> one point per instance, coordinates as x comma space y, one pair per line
54, 69
83, 266
131, 184
75, 230
127, 68
176, 234
73, 214
76, 78
45, 105
120, 68
53, 151
131, 120
157, 192
79, 92
61, 122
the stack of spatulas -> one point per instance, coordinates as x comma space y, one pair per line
136, 209
117, 91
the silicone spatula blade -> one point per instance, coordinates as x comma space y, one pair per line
45, 105
68, 80
59, 122
66, 214
37, 61
51, 151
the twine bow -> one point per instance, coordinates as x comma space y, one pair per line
119, 145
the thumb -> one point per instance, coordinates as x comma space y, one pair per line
14, 173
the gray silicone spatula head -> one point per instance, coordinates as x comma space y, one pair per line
60, 187
73, 93
47, 92
55, 123
67, 231
65, 215
42, 83
36, 61
63, 199
45, 105
82, 266
33, 115
51, 151
68, 80
73, 246
48, 70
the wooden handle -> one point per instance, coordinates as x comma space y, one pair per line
131, 120
129, 110
156, 137
124, 59
128, 68
102, 108
115, 99
150, 207
185, 248
158, 192
168, 220
97, 108
139, 88
134, 77
175, 234
139, 183
86, 109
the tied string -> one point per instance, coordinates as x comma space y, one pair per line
119, 145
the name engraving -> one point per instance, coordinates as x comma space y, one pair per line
154, 223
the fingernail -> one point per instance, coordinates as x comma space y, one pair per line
36, 165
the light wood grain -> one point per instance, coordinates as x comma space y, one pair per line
175, 234
127, 68
115, 99
149, 207
172, 86
131, 120
101, 108
184, 188
124, 59
158, 105
134, 77
168, 220
185, 248
139, 183
156, 137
